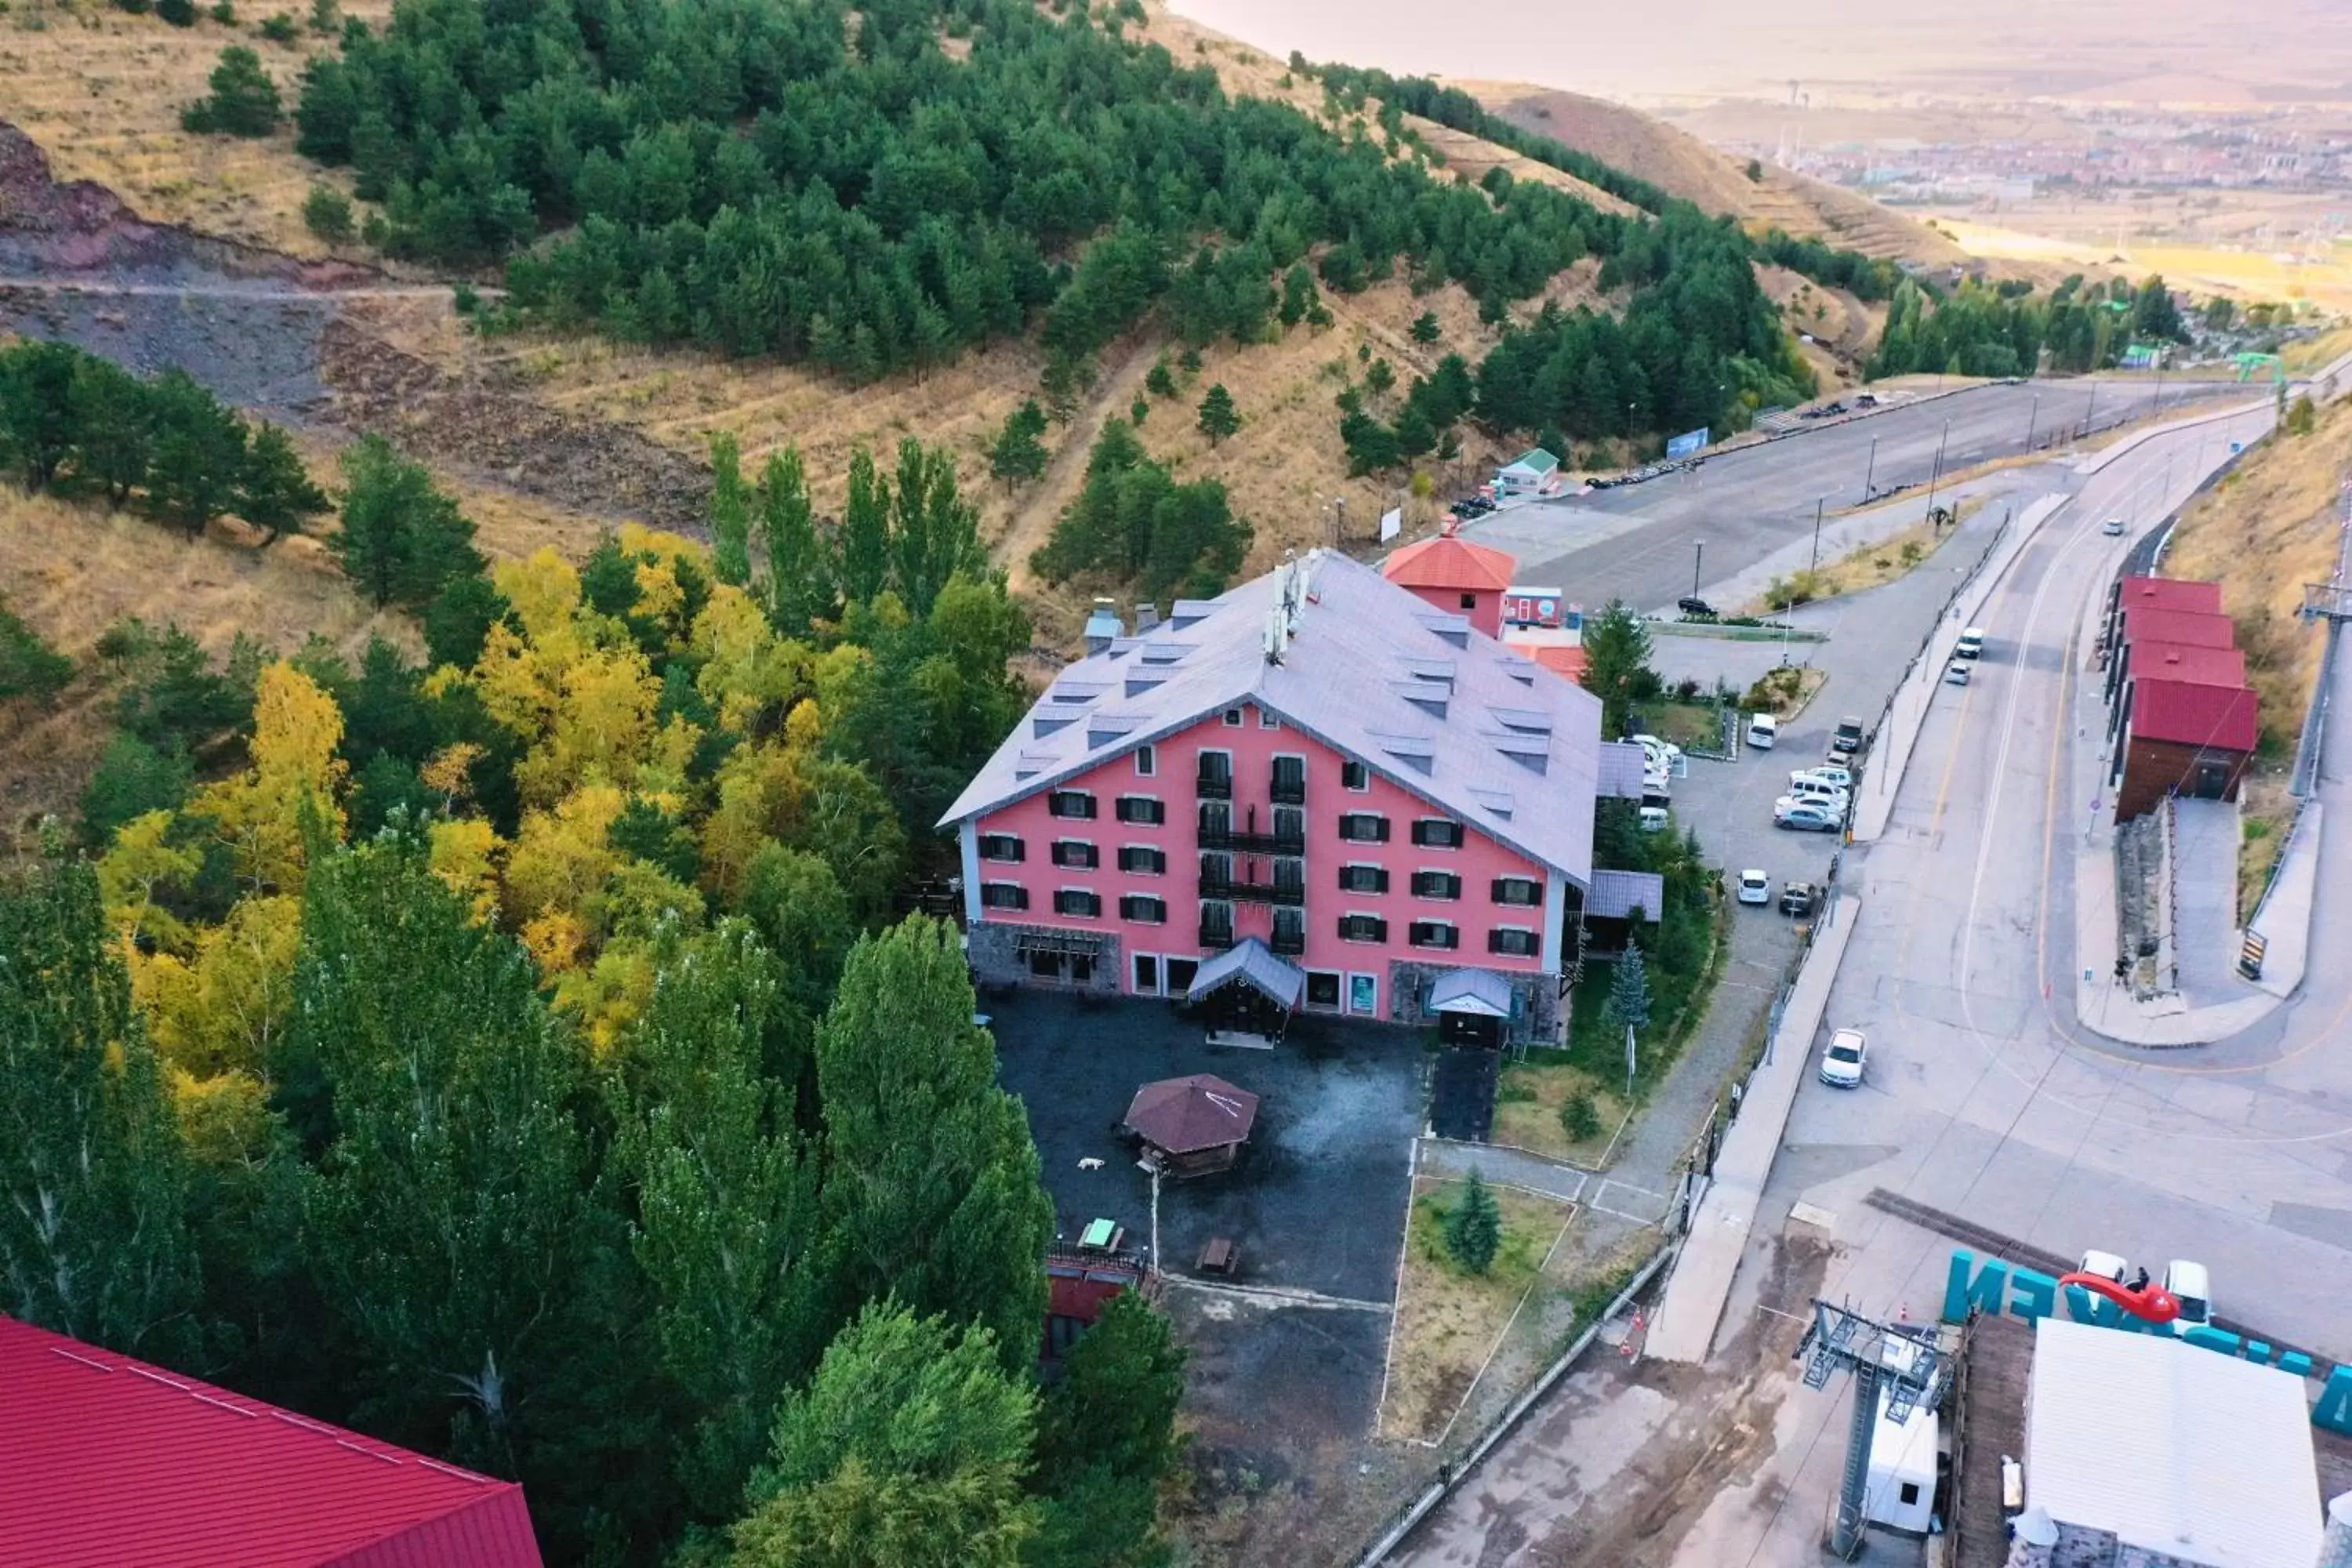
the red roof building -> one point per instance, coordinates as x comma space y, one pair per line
1449, 572
2193, 628
2212, 717
2171, 593
106, 1461
2180, 661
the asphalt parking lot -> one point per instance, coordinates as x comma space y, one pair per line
1317, 1202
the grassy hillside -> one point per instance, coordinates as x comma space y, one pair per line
1677, 161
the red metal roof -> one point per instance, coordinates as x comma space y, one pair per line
2221, 717
110, 1462
2173, 593
2196, 628
2183, 661
1451, 561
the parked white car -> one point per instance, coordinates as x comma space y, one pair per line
1763, 731
1971, 644
1956, 673
2105, 1265
1754, 887
1662, 753
1830, 773
1842, 1059
1807, 816
1653, 819
1802, 788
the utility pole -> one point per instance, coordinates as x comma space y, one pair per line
1871, 471
1816, 564
1699, 554
1936, 472
2087, 407
2030, 419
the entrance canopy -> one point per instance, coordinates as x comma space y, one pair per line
1480, 993
1250, 963
1186, 1115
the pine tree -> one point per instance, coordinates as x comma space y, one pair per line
1426, 328
1629, 991
1219, 418
402, 540
243, 100
1473, 1227
731, 512
1617, 665
274, 491
1018, 454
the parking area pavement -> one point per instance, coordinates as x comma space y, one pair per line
1317, 1202
2204, 873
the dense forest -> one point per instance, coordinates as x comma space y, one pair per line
1868, 278
877, 192
511, 1055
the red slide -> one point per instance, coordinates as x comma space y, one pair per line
2152, 1302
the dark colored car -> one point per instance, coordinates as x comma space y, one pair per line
1696, 610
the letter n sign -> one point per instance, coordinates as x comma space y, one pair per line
1967, 1286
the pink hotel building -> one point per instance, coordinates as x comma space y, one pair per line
1390, 803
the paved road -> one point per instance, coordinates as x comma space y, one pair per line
1646, 544
1985, 1097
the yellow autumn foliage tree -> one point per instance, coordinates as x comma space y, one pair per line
141, 863
222, 1009
265, 813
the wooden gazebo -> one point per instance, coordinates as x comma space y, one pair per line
1193, 1125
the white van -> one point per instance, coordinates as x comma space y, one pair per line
1762, 730
1803, 787
1653, 819
1971, 644
2189, 1284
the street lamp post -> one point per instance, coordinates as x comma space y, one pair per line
2089, 406
1870, 471
1699, 554
1816, 564
1936, 472
2033, 415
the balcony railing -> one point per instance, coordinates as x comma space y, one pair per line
1289, 792
1234, 889
1217, 938
1289, 943
1248, 842
1214, 786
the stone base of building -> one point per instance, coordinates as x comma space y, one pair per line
1050, 956
1538, 1011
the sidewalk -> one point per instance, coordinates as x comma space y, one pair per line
1701, 1282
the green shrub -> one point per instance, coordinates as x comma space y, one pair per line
1580, 1118
280, 29
1473, 1227
327, 213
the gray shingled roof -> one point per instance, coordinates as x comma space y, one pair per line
1616, 894
1508, 748
1251, 960
1623, 766
1476, 991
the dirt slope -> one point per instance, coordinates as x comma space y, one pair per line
1680, 163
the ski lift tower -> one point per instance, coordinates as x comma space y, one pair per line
2331, 603
1901, 1360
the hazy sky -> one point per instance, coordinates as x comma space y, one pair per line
1635, 50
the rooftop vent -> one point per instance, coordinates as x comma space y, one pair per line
1429, 699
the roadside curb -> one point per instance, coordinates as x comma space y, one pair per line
1700, 1285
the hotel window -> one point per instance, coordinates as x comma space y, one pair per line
1436, 885
1215, 776
1523, 890
1323, 989
1077, 854
1438, 833
1077, 901
1361, 879
1000, 847
1434, 933
1143, 907
1355, 776
1147, 762
1267, 720
1363, 928
1517, 942
1290, 780
1469, 600
1364, 827
1290, 932
1145, 809
1070, 803
1003, 896
1233, 718
1142, 858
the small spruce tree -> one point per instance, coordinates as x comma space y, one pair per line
1473, 1230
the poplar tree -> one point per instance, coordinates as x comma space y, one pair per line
801, 576
864, 531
